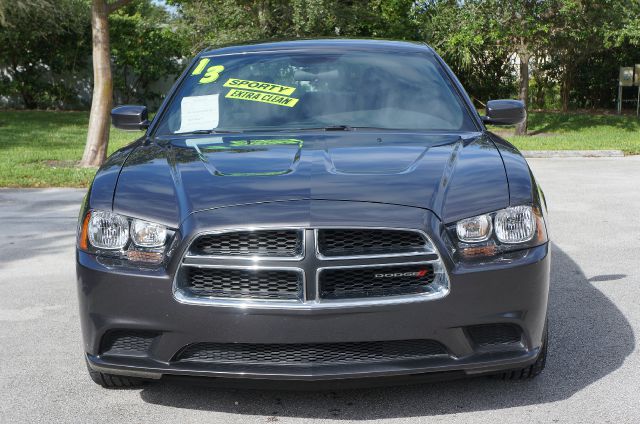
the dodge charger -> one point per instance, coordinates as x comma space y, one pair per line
314, 211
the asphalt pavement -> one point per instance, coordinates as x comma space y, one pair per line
593, 369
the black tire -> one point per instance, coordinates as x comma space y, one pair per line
112, 381
532, 370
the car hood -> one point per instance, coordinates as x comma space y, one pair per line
453, 175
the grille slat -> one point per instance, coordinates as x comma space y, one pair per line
346, 283
265, 243
310, 354
243, 283
363, 242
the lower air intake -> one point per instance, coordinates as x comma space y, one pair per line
131, 343
489, 335
310, 354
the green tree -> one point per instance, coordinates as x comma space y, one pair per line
216, 22
489, 32
630, 32
44, 51
579, 33
522, 26
459, 32
145, 48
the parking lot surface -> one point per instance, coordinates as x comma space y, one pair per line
593, 369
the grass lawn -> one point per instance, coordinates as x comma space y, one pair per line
40, 149
561, 131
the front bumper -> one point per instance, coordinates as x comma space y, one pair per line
512, 291
486, 363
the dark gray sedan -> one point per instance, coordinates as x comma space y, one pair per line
314, 210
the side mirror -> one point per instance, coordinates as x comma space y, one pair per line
505, 112
130, 117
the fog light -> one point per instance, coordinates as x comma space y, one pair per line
143, 256
477, 251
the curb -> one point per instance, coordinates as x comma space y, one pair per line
573, 153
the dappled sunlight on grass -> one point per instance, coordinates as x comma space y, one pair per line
564, 122
41, 148
564, 131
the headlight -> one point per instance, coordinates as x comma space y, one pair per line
509, 229
147, 234
115, 237
474, 229
515, 225
108, 230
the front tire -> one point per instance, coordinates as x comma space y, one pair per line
533, 370
112, 381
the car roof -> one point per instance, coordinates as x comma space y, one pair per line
321, 44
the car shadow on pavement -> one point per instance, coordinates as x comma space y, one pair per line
589, 338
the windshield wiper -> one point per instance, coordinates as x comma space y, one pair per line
326, 128
338, 128
196, 132
341, 128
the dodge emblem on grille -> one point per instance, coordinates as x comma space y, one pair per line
418, 274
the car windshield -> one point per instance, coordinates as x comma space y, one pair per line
315, 89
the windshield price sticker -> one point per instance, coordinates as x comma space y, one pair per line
267, 87
201, 65
212, 73
273, 99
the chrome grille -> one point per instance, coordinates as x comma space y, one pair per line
310, 268
369, 242
310, 353
375, 281
243, 283
261, 243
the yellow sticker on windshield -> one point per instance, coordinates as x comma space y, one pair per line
273, 99
212, 74
201, 65
267, 87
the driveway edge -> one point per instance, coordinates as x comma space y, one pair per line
573, 153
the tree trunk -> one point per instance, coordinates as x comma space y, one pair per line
264, 16
538, 96
95, 151
523, 93
27, 97
566, 90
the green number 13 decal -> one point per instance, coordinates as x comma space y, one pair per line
212, 73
